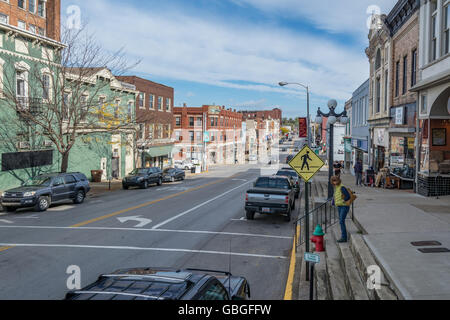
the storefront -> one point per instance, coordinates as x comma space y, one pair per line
160, 156
360, 152
380, 147
433, 178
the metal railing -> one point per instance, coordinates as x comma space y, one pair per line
326, 215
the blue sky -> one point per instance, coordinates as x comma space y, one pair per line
234, 52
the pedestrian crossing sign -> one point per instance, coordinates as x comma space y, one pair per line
306, 163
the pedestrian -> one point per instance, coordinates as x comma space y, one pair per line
358, 172
337, 168
341, 196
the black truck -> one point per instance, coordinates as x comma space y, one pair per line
164, 284
39, 193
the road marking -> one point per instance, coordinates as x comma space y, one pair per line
226, 253
196, 207
290, 281
6, 221
61, 208
4, 248
143, 205
151, 230
242, 219
143, 221
34, 216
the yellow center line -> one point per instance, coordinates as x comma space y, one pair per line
290, 281
5, 248
114, 214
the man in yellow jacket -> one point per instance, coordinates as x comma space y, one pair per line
341, 196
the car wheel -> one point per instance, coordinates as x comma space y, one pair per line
43, 204
79, 197
144, 185
186, 168
250, 215
124, 187
159, 182
287, 218
11, 209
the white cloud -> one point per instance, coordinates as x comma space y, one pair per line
335, 16
227, 53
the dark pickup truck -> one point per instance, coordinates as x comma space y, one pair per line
164, 284
43, 190
271, 195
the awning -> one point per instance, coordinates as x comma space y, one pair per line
154, 152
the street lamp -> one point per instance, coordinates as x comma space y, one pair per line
333, 118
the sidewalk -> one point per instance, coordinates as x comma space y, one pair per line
391, 220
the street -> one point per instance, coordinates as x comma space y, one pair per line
197, 223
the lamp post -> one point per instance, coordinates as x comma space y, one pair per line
307, 184
333, 118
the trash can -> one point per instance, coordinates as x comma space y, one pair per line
96, 175
193, 169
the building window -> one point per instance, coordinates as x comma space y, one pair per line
21, 4
41, 31
191, 121
168, 100
397, 78
191, 136
32, 6
447, 29
32, 28
199, 136
117, 109
21, 24
130, 111
141, 131
65, 110
434, 26
386, 91
160, 102
41, 8
178, 121
141, 100
3, 18
199, 121
423, 105
405, 74
378, 95
46, 87
151, 101
84, 107
414, 68
378, 60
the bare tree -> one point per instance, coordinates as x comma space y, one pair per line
64, 96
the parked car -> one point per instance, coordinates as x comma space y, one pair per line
270, 195
173, 174
184, 165
164, 284
39, 193
143, 177
289, 158
295, 179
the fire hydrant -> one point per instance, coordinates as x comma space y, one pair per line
317, 239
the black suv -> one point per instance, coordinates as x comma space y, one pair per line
43, 190
164, 284
142, 178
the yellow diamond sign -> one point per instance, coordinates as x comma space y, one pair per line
306, 163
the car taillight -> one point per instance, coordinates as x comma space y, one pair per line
296, 183
246, 197
286, 200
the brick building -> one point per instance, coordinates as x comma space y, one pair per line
403, 21
154, 116
40, 17
208, 134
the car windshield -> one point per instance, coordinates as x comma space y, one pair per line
138, 171
287, 173
272, 183
39, 182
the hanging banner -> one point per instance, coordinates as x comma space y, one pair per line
302, 127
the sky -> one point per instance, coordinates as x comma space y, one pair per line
235, 52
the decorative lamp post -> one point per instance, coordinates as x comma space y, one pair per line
333, 118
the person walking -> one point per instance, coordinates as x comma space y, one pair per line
358, 172
341, 196
337, 168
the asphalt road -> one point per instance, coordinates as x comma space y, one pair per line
197, 223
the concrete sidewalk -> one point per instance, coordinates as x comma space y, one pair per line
391, 220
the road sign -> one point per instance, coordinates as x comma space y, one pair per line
306, 163
206, 137
311, 257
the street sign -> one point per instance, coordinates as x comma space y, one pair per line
306, 163
311, 257
206, 137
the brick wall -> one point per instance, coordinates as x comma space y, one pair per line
51, 23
